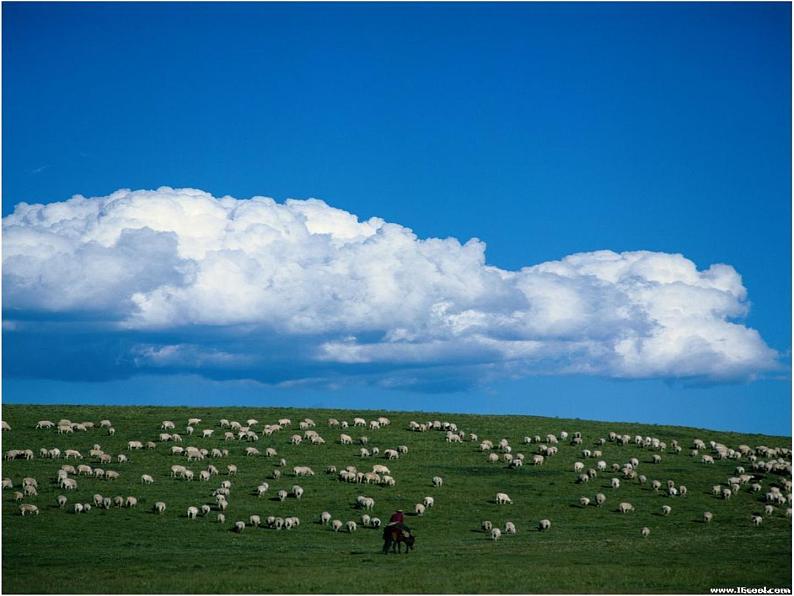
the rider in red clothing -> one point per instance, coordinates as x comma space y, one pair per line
397, 517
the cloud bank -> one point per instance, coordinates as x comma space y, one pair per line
176, 280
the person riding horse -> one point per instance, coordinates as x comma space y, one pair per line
396, 532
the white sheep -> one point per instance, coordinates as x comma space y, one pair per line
27, 508
510, 528
544, 525
146, 479
756, 519
336, 525
584, 501
438, 481
496, 533
159, 507
503, 499
486, 525
131, 502
428, 502
625, 507
645, 532
297, 491
255, 520
325, 517
666, 509
351, 526
239, 526
221, 518
61, 501
419, 509
192, 512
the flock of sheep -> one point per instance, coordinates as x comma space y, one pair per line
758, 468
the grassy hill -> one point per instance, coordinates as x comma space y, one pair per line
587, 549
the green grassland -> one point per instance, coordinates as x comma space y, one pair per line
587, 550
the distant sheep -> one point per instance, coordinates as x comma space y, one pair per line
438, 481
496, 533
625, 507
645, 532
503, 499
544, 525
159, 507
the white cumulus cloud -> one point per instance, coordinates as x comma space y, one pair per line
261, 279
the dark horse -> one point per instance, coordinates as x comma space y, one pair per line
394, 536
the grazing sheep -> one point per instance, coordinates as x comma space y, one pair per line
61, 501
496, 533
282, 495
615, 483
438, 481
756, 520
159, 507
325, 518
351, 526
221, 518
666, 509
231, 469
419, 509
262, 489
375, 522
131, 502
645, 532
27, 508
118, 501
625, 507
192, 512
146, 479
510, 528
600, 499
503, 499
336, 525
428, 502
255, 520
768, 509
78, 508
486, 526
584, 501
297, 491
239, 526
544, 525
365, 520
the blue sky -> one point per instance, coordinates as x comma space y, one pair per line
543, 130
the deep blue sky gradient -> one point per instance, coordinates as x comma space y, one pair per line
542, 129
